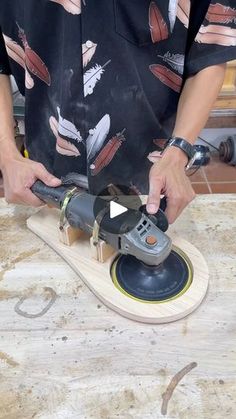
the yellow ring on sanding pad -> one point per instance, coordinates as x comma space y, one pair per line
186, 287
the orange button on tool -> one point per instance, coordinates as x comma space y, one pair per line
151, 240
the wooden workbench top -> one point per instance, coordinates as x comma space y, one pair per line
63, 354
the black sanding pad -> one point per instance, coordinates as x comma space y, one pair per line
152, 283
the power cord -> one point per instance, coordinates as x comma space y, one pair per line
211, 145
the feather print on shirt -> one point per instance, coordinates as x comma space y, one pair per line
88, 51
29, 81
97, 136
67, 128
216, 34
16, 53
107, 153
158, 27
176, 61
167, 77
183, 11
92, 76
172, 13
154, 157
218, 13
71, 6
33, 62
64, 147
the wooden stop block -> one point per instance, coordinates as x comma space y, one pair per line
101, 251
68, 235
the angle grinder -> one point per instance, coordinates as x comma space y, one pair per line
147, 267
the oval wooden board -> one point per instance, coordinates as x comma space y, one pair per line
96, 275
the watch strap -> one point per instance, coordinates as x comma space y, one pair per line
183, 145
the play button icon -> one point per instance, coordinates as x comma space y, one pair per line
116, 209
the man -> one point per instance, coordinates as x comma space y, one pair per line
102, 82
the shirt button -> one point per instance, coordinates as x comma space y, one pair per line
89, 44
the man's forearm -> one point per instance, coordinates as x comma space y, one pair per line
197, 99
7, 141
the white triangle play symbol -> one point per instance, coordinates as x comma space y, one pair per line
116, 209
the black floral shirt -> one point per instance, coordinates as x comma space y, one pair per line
102, 78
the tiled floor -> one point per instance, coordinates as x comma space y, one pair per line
216, 177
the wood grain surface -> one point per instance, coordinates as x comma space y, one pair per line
63, 354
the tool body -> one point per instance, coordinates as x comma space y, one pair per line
79, 213
146, 268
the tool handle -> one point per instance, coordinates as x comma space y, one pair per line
48, 194
79, 209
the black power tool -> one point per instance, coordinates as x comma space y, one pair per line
147, 267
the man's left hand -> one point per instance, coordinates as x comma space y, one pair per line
167, 177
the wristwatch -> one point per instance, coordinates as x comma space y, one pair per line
185, 146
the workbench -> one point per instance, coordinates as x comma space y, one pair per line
63, 354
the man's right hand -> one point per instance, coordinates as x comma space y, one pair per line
19, 174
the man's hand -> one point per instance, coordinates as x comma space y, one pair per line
19, 174
167, 177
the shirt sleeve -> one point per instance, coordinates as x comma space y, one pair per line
215, 40
4, 62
